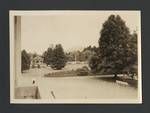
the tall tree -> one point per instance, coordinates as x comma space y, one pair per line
25, 61
44, 55
47, 55
113, 46
59, 59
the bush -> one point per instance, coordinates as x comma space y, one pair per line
82, 71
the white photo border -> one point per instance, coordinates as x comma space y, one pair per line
13, 13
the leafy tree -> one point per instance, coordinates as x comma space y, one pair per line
95, 49
25, 61
132, 56
90, 48
133, 48
44, 57
88, 52
58, 60
113, 44
35, 55
47, 55
70, 56
113, 53
93, 63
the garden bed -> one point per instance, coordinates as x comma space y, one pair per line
78, 72
62, 74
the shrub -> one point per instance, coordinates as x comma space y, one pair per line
82, 71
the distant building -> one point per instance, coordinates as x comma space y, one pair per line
36, 61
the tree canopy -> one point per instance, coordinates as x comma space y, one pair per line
59, 59
47, 55
117, 47
25, 60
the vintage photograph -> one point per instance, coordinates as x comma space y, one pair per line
64, 56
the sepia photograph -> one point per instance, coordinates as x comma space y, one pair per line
75, 56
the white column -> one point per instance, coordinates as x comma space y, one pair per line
17, 44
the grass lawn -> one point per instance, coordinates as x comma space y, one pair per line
76, 87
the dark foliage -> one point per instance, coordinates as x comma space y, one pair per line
25, 60
47, 55
58, 60
117, 48
93, 63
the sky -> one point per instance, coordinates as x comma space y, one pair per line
73, 30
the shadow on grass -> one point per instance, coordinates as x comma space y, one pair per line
108, 79
131, 82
